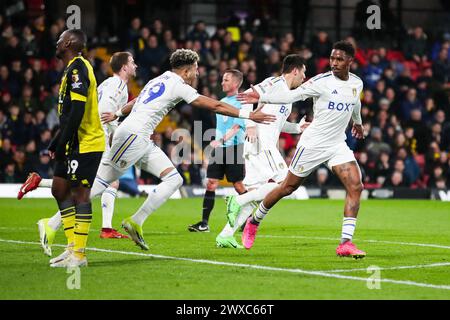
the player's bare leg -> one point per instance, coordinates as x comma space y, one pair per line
239, 187
287, 187
350, 176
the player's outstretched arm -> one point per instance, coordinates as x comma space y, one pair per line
305, 91
229, 110
107, 117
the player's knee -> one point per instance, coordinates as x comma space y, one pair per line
356, 188
114, 184
212, 184
60, 194
174, 178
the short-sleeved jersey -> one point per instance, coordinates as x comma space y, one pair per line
112, 96
78, 84
157, 98
225, 123
335, 102
268, 134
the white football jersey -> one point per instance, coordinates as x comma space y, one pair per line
335, 102
112, 96
268, 134
157, 98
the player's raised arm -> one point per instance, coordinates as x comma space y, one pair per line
229, 110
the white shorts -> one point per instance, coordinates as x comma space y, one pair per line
306, 159
264, 166
131, 150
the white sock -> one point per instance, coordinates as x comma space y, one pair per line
99, 187
55, 221
260, 213
170, 183
257, 194
348, 228
229, 231
108, 198
46, 183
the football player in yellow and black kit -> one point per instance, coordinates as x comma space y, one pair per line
77, 148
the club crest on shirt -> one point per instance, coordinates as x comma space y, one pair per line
122, 163
75, 76
354, 92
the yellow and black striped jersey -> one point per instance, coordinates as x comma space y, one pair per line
78, 84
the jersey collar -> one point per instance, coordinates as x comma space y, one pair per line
177, 76
71, 61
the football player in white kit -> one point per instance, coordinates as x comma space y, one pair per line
132, 144
336, 96
263, 161
112, 97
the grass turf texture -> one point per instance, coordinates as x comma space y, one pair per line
295, 235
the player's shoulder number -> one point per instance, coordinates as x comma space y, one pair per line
152, 91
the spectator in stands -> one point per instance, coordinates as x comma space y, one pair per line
27, 102
441, 67
382, 168
395, 180
44, 167
411, 170
376, 144
133, 33
28, 43
421, 133
198, 33
410, 103
373, 71
214, 54
438, 174
150, 59
415, 47
321, 45
9, 174
322, 177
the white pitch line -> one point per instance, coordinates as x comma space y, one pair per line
419, 266
252, 266
430, 245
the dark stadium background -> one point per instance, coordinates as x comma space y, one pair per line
405, 67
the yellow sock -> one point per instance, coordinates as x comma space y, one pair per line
82, 224
68, 220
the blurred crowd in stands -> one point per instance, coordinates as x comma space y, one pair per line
405, 103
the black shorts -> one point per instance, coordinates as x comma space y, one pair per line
227, 162
80, 168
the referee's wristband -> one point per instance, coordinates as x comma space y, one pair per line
119, 113
244, 114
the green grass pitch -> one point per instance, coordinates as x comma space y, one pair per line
293, 256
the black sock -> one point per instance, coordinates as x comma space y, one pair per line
208, 205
